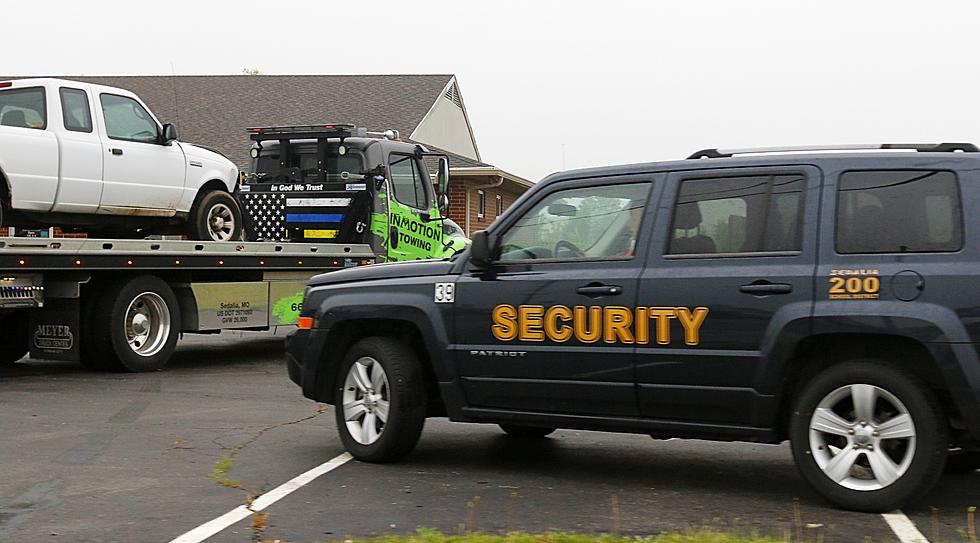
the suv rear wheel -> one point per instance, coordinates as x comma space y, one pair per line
868, 436
380, 405
216, 216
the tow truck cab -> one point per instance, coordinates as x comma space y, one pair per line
341, 184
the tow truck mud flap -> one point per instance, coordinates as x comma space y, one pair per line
231, 305
55, 330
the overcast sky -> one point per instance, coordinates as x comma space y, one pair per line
553, 85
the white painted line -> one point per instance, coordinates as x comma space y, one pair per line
242, 512
904, 528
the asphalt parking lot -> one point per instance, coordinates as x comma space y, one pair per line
147, 457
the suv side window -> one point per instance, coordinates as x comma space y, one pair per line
407, 181
75, 110
126, 119
730, 215
24, 108
581, 223
898, 211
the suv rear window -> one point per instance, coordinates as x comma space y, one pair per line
898, 211
23, 108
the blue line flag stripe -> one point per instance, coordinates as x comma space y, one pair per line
314, 217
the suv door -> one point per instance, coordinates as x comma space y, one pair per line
139, 172
410, 237
733, 262
549, 327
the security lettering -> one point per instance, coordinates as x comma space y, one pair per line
592, 324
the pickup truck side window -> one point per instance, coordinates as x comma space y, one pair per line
407, 181
24, 108
75, 110
731, 215
599, 222
126, 119
898, 211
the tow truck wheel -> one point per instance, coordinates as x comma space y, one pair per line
136, 327
15, 340
380, 404
868, 436
216, 217
525, 432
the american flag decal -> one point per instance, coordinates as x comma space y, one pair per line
264, 212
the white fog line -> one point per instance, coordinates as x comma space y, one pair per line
904, 528
242, 512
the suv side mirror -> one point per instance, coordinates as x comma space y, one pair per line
482, 248
169, 134
442, 176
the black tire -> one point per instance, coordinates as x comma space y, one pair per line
526, 432
15, 339
963, 462
406, 398
199, 226
925, 464
109, 347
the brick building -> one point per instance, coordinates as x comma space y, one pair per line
214, 111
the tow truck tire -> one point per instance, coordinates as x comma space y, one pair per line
526, 432
963, 462
215, 216
380, 401
135, 326
868, 436
15, 340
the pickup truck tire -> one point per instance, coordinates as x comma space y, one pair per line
15, 340
137, 325
381, 401
526, 432
868, 436
963, 462
216, 216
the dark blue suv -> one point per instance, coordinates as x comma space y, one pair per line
828, 296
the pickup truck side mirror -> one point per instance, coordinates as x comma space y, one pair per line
169, 134
482, 248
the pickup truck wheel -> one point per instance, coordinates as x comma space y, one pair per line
138, 326
380, 406
963, 462
216, 217
15, 341
526, 432
868, 436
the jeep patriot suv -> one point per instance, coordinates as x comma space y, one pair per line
824, 295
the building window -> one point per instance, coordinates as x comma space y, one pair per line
500, 205
481, 209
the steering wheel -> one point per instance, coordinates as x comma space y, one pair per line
571, 247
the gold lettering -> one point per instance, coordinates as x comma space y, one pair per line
504, 322
530, 322
663, 316
555, 331
691, 322
588, 327
617, 325
642, 326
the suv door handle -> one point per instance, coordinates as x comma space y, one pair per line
595, 291
115, 151
765, 287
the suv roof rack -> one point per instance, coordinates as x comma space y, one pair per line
920, 147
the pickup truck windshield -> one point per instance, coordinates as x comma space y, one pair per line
23, 108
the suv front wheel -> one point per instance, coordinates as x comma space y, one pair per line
868, 436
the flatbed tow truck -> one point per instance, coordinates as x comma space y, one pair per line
120, 304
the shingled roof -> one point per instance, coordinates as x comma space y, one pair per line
215, 110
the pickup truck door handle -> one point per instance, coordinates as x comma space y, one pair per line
115, 151
595, 291
762, 288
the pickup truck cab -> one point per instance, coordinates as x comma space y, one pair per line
78, 154
825, 298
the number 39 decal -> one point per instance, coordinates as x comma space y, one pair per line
445, 293
854, 285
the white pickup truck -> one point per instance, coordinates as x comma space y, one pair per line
80, 155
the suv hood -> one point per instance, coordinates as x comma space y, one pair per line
392, 270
